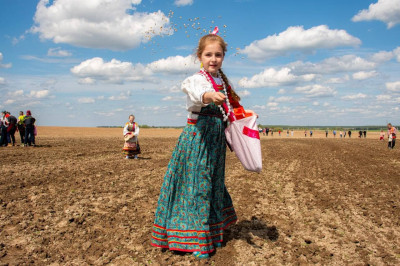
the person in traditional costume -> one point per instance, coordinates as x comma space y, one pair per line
194, 206
392, 132
131, 133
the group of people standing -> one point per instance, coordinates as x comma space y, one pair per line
24, 124
342, 134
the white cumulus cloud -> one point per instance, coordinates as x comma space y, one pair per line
364, 75
397, 53
114, 25
354, 96
382, 56
39, 94
298, 39
271, 77
183, 2
87, 81
393, 86
316, 90
113, 71
174, 65
346, 63
2, 81
387, 11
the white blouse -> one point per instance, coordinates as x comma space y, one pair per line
126, 131
195, 86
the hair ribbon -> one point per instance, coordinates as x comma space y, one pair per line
215, 31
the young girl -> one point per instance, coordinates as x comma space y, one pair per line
194, 206
131, 133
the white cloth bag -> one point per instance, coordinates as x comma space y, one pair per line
244, 139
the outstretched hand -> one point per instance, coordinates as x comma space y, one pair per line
214, 97
218, 98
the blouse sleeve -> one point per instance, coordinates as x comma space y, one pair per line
125, 129
136, 133
195, 87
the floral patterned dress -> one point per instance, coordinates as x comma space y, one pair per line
194, 206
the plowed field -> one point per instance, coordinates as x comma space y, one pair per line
75, 200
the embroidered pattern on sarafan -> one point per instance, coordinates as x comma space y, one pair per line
194, 206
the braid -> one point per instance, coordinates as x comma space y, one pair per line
233, 93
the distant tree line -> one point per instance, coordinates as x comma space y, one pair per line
285, 127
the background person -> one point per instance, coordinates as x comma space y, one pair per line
1, 135
4, 126
29, 123
382, 134
131, 133
21, 127
392, 132
12, 127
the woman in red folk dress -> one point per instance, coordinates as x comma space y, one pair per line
131, 133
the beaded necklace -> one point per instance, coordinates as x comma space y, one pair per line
227, 111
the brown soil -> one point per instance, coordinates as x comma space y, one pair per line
74, 200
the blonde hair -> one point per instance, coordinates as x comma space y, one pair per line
206, 39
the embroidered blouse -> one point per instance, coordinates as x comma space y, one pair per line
195, 86
129, 127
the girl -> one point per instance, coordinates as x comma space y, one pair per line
194, 206
131, 133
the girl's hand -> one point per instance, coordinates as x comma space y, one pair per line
216, 97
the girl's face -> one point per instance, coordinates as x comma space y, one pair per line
131, 119
212, 58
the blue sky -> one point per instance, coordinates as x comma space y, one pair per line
92, 63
